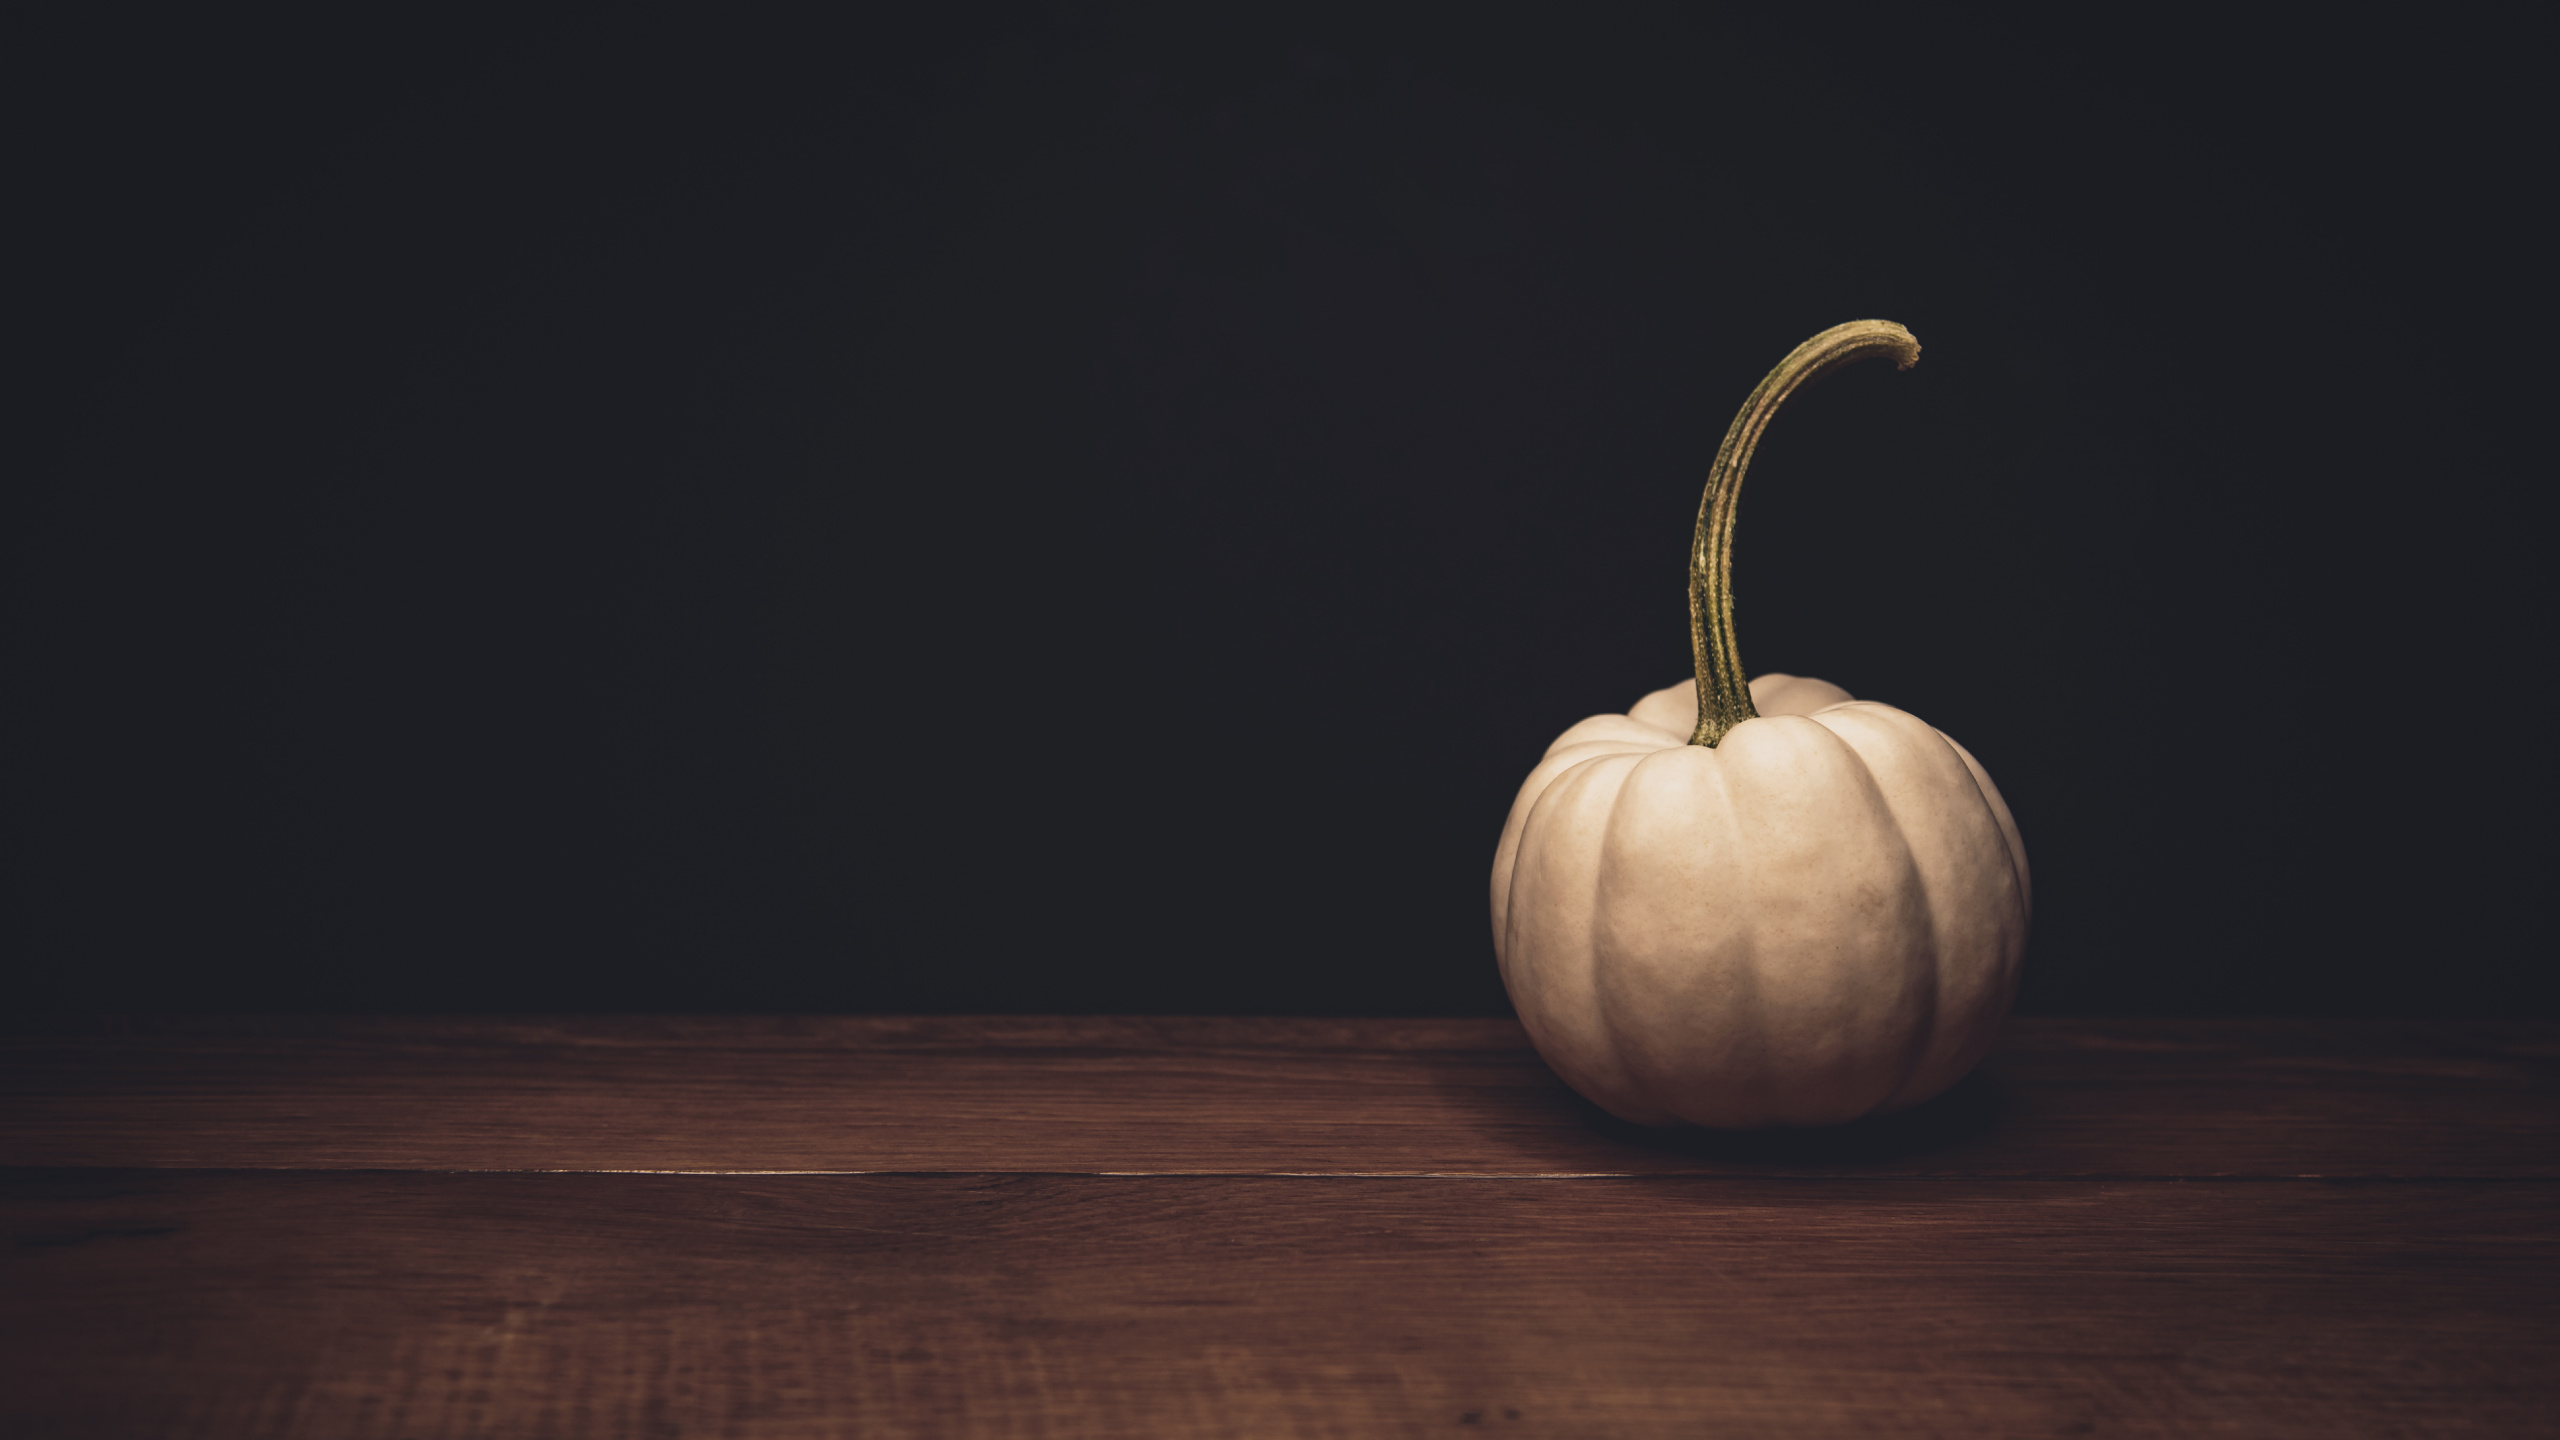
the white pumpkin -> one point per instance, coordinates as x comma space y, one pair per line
1796, 908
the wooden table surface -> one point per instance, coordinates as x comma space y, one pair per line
1030, 1226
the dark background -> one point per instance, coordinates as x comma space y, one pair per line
1097, 507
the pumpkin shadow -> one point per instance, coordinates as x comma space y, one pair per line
1970, 1108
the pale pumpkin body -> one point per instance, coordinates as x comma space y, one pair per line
1819, 918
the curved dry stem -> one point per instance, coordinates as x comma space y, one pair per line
1724, 697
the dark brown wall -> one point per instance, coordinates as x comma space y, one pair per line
1088, 508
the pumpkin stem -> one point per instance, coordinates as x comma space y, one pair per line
1724, 697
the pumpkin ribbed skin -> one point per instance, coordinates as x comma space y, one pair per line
1820, 917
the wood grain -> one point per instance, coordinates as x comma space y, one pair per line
253, 1227
2181, 1098
415, 1305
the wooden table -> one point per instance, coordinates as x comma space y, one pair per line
655, 1226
